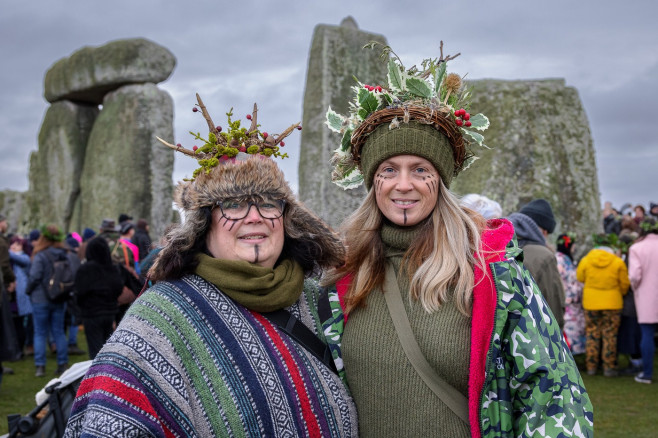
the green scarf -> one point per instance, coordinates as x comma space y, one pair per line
253, 286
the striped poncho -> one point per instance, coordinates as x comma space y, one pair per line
188, 361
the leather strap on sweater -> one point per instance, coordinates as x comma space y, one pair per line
446, 393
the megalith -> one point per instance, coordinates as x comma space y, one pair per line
126, 169
91, 72
92, 162
56, 167
541, 147
336, 56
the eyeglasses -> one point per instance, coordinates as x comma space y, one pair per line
235, 210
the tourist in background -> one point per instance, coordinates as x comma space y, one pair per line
605, 280
488, 208
20, 263
532, 224
141, 239
574, 315
47, 316
98, 284
643, 272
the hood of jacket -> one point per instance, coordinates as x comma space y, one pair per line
527, 231
601, 258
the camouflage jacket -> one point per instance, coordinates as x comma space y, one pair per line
523, 381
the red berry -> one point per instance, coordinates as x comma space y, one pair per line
459, 122
248, 116
195, 109
265, 134
243, 149
282, 144
219, 129
195, 147
225, 157
461, 111
467, 124
467, 116
299, 128
178, 145
457, 113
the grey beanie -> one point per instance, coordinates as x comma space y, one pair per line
540, 211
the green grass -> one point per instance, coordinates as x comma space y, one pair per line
622, 407
17, 390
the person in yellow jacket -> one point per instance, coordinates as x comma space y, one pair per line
605, 277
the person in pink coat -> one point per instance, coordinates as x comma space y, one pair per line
643, 273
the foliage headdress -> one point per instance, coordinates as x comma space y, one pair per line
236, 142
427, 95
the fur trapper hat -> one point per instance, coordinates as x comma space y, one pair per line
254, 177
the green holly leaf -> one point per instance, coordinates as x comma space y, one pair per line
367, 100
346, 142
469, 161
476, 137
439, 74
351, 181
479, 122
419, 87
334, 120
395, 77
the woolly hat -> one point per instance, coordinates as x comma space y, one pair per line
2, 217
409, 139
71, 242
34, 235
540, 211
52, 232
87, 234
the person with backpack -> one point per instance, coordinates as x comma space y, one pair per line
48, 313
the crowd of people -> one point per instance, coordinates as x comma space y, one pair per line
104, 267
256, 318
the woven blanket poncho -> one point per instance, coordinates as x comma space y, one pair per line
188, 361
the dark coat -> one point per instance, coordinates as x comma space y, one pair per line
143, 241
98, 282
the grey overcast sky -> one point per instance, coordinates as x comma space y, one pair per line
238, 52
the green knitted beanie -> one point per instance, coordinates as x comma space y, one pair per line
411, 138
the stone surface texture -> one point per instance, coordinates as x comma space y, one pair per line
126, 168
56, 167
91, 72
541, 148
336, 56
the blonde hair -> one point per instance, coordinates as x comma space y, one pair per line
440, 260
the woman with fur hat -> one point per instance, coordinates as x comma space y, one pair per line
445, 328
230, 340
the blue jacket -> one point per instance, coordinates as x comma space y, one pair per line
20, 263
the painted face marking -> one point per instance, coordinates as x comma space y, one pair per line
405, 216
255, 253
233, 224
272, 220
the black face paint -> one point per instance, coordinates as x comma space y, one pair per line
225, 221
405, 216
272, 220
233, 224
256, 253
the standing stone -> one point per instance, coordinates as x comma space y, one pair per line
12, 205
126, 168
336, 55
91, 72
56, 167
541, 148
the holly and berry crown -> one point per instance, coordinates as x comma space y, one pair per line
236, 142
426, 94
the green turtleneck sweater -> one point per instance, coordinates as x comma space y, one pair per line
392, 400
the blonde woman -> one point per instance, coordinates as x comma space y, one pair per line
482, 331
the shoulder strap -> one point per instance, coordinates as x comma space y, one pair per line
294, 328
446, 393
